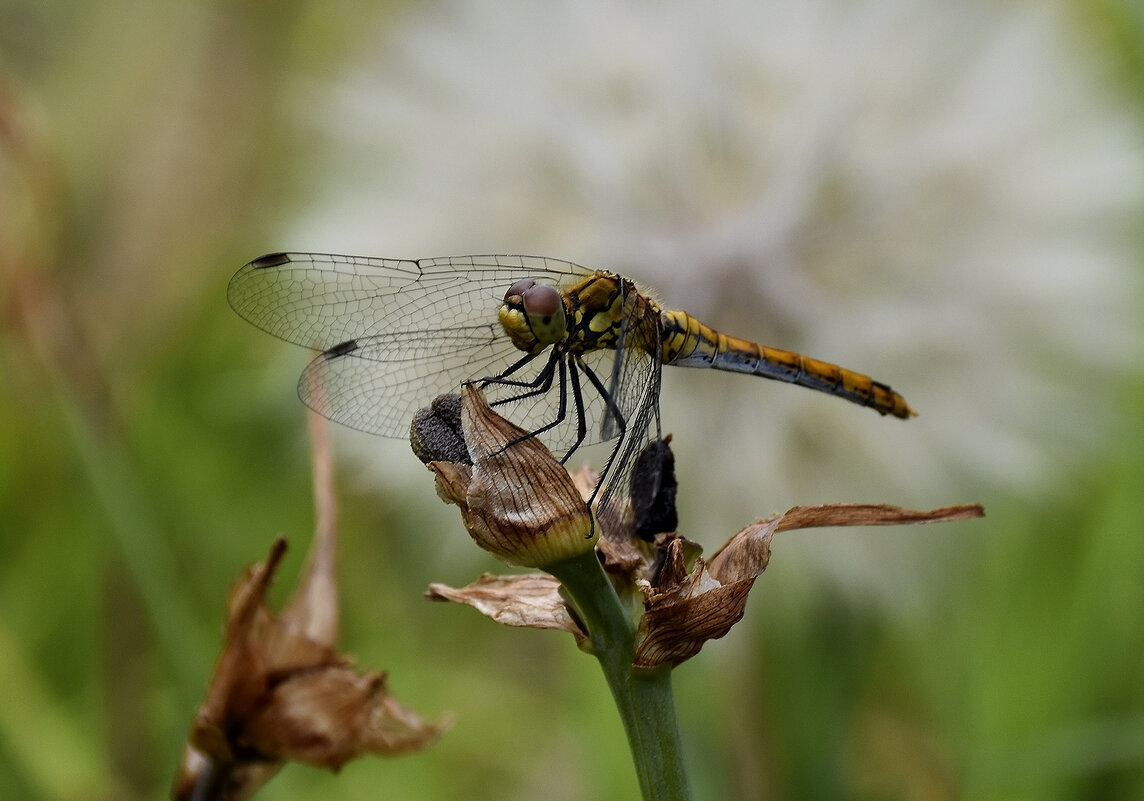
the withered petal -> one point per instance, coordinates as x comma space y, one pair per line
532, 601
674, 571
746, 554
673, 631
625, 557
453, 479
329, 716
688, 607
873, 514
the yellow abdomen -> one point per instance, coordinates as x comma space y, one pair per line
687, 342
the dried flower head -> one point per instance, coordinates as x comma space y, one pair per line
278, 695
690, 602
518, 502
280, 690
514, 496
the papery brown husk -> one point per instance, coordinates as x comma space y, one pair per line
531, 601
277, 696
513, 498
280, 690
517, 502
686, 608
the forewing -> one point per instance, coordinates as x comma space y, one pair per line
395, 333
321, 300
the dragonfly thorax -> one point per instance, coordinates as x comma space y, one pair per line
533, 315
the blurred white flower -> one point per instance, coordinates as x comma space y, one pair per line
938, 195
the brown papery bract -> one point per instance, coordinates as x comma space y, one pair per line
517, 501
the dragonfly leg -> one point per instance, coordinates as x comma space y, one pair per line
512, 368
537, 386
581, 417
561, 411
613, 412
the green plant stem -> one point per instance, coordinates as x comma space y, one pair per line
643, 697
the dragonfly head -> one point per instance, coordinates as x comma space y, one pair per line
533, 315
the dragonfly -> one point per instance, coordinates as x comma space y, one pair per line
570, 354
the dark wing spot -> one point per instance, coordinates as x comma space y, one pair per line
342, 349
270, 260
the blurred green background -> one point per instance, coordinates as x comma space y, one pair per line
946, 198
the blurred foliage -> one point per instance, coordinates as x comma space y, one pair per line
148, 150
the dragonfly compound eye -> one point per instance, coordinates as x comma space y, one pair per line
544, 308
519, 288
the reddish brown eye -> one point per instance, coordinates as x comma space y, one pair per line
520, 287
541, 300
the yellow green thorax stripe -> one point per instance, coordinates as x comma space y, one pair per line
596, 308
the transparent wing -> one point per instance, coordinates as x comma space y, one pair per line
396, 333
376, 384
321, 300
635, 388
